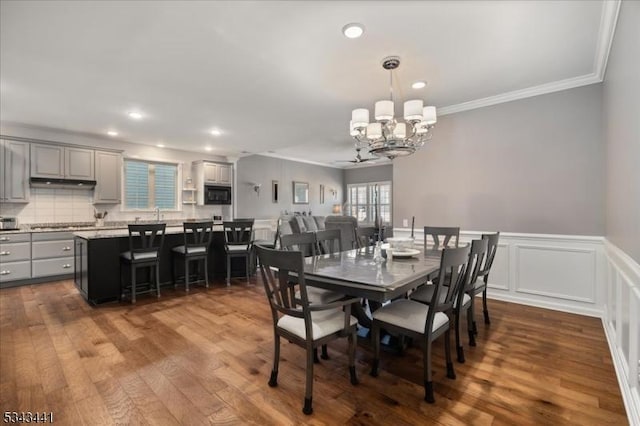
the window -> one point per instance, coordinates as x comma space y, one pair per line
148, 185
363, 198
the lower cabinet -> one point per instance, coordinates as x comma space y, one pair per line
51, 254
15, 257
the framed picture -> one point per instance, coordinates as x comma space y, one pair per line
321, 194
274, 191
300, 192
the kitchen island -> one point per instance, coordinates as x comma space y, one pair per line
97, 260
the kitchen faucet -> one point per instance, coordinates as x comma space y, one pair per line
157, 214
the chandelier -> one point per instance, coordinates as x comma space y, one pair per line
387, 136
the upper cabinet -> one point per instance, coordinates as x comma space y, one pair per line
14, 177
216, 173
54, 161
108, 171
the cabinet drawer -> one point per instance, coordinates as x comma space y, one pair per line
15, 271
50, 236
46, 249
14, 238
15, 251
57, 266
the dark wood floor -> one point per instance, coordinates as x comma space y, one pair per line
205, 358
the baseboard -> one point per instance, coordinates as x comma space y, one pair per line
554, 306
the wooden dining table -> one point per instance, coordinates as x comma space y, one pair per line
357, 273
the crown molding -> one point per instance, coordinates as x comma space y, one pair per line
608, 21
297, 160
606, 31
542, 89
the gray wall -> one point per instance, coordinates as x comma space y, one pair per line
533, 165
263, 170
368, 174
622, 133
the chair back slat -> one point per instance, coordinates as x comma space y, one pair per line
492, 247
436, 233
329, 241
146, 238
304, 242
238, 232
347, 229
477, 255
453, 265
197, 234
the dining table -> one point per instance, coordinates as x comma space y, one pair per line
364, 273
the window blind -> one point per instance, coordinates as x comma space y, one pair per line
149, 185
136, 184
165, 186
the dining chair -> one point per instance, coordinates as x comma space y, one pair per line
197, 240
462, 300
329, 241
347, 226
366, 235
145, 244
307, 244
447, 233
425, 322
238, 235
480, 285
297, 319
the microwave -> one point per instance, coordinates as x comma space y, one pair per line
217, 194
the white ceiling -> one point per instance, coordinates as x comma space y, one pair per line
280, 76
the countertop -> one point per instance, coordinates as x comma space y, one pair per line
89, 227
124, 232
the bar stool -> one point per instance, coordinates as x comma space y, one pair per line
238, 236
197, 239
145, 244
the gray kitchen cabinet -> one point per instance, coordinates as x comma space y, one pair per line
108, 175
62, 162
224, 174
15, 257
14, 177
79, 163
210, 173
51, 254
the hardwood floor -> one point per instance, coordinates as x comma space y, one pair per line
206, 357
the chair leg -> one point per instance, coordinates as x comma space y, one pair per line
173, 272
122, 287
206, 273
133, 284
428, 379
308, 393
325, 354
246, 267
472, 335
273, 381
459, 349
375, 339
472, 308
447, 347
186, 274
352, 357
485, 310
228, 270
316, 360
158, 279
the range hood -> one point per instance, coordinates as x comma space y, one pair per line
36, 182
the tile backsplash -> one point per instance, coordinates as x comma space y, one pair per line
59, 205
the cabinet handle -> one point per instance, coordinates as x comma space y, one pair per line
5, 253
5, 239
66, 266
7, 272
66, 248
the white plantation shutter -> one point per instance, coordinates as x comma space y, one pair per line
362, 201
149, 185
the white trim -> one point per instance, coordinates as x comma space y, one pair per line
608, 21
527, 301
543, 89
520, 235
297, 160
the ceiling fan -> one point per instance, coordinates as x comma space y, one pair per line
358, 159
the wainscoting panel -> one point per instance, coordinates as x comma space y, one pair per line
621, 322
568, 273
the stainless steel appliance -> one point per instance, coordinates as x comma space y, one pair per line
8, 223
217, 194
217, 220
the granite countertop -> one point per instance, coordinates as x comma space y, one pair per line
90, 227
124, 232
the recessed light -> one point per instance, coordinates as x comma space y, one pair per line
353, 30
419, 85
112, 133
216, 132
159, 145
207, 148
136, 115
